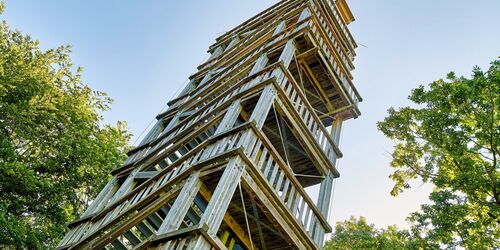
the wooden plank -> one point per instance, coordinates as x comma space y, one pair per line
102, 198
182, 204
291, 177
317, 85
145, 175
229, 220
263, 106
222, 81
143, 214
217, 206
252, 187
230, 117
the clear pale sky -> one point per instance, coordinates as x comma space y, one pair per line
141, 53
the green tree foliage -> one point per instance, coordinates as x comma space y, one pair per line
55, 154
357, 234
450, 137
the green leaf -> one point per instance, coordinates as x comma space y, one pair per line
54, 153
451, 138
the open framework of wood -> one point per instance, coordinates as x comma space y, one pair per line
225, 167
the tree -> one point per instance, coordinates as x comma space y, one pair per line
450, 138
54, 153
357, 234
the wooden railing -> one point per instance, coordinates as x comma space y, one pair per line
232, 69
255, 35
308, 116
340, 22
98, 224
282, 180
204, 110
350, 90
332, 40
180, 243
278, 7
345, 35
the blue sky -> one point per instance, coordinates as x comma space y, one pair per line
141, 53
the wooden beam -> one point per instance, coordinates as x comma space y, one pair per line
182, 204
289, 175
229, 220
140, 216
252, 187
308, 53
317, 85
259, 229
259, 222
218, 204
337, 111
145, 175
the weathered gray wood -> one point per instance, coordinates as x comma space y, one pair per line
263, 106
125, 187
219, 202
260, 64
182, 204
288, 53
303, 15
102, 198
233, 42
195, 129
144, 175
280, 28
217, 52
153, 133
325, 193
230, 118
248, 181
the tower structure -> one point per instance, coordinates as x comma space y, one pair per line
227, 165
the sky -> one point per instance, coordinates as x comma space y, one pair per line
141, 53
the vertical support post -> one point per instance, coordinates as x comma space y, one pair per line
259, 64
287, 54
336, 130
217, 52
285, 59
218, 204
182, 204
101, 199
306, 13
230, 118
125, 187
263, 106
326, 188
324, 199
233, 42
281, 26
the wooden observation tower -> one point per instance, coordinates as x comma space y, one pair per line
227, 165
